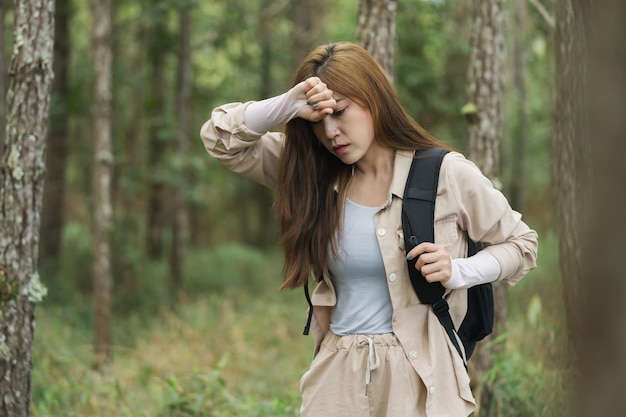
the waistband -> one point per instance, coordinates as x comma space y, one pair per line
335, 342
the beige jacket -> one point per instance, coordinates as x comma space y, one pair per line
466, 201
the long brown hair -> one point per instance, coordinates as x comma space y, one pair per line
312, 182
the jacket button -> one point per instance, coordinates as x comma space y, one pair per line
431, 390
393, 277
381, 232
413, 354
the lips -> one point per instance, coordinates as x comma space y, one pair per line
340, 148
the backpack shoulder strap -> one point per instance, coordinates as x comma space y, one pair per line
307, 326
418, 214
418, 217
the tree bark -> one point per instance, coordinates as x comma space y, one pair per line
377, 31
266, 17
485, 133
102, 177
158, 137
485, 86
263, 196
569, 168
180, 226
129, 198
3, 72
302, 20
520, 142
52, 218
21, 190
602, 343
589, 205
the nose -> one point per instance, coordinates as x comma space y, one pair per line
331, 129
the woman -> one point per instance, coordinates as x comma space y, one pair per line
339, 171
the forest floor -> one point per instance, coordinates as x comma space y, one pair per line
239, 351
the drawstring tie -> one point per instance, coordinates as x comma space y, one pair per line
373, 361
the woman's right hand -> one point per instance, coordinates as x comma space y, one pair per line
318, 101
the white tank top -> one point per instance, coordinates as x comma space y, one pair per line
363, 301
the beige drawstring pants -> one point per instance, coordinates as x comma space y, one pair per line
361, 376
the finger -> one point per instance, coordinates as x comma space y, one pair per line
314, 115
310, 83
426, 258
432, 264
441, 255
437, 276
319, 97
315, 86
328, 104
420, 249
317, 111
427, 247
440, 264
438, 270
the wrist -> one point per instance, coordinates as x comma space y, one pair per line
456, 279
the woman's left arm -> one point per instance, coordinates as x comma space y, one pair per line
486, 215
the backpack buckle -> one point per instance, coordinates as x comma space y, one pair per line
440, 306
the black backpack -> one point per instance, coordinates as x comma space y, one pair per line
418, 213
418, 216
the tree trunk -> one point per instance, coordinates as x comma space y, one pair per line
102, 177
180, 226
485, 133
302, 20
569, 166
158, 137
52, 217
520, 142
377, 31
21, 190
263, 196
485, 86
3, 73
129, 198
266, 17
602, 343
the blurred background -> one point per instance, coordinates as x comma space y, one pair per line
197, 325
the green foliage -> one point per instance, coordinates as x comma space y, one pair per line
525, 387
73, 279
233, 346
537, 305
468, 109
199, 395
530, 376
431, 66
223, 353
233, 267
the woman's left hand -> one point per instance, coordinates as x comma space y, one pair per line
434, 261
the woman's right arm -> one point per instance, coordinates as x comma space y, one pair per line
227, 138
237, 133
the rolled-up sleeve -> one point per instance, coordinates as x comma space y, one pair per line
253, 154
488, 218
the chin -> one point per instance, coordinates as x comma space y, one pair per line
348, 160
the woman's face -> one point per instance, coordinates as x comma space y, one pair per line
348, 133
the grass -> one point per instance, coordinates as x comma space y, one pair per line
235, 347
530, 376
213, 357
